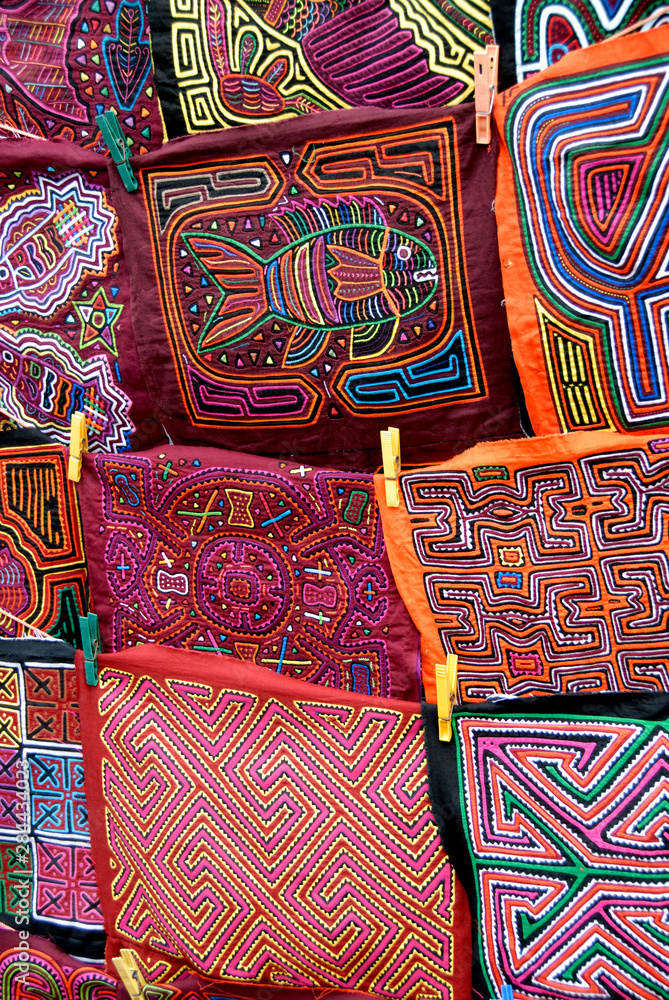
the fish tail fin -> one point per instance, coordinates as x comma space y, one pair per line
240, 275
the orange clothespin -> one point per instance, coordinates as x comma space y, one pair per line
129, 972
486, 66
390, 449
78, 445
446, 677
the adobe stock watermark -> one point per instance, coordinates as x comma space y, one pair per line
23, 889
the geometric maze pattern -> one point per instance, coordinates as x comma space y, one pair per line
566, 822
42, 564
586, 249
542, 576
265, 832
280, 565
44, 836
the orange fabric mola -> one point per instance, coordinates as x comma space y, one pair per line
583, 224
543, 564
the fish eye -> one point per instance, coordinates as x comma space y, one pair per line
8, 357
404, 252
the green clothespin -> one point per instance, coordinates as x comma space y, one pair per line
118, 147
90, 637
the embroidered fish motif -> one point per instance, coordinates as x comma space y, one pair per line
344, 269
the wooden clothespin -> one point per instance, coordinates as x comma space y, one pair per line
446, 676
92, 644
486, 66
78, 445
129, 971
118, 147
390, 449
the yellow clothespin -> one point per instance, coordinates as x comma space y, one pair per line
390, 449
128, 970
486, 66
78, 445
446, 676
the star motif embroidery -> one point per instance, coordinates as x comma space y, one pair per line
98, 318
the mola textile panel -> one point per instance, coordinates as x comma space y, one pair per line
279, 564
66, 61
237, 62
543, 564
264, 831
66, 335
43, 579
553, 811
47, 880
302, 283
584, 179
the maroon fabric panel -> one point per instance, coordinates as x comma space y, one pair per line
279, 564
66, 335
302, 284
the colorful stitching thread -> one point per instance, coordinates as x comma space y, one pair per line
46, 870
304, 852
283, 566
585, 162
542, 576
565, 820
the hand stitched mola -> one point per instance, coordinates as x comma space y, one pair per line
344, 270
66, 337
542, 564
280, 564
554, 811
312, 281
584, 240
263, 831
47, 879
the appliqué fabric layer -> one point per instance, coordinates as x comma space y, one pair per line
233, 62
43, 578
66, 337
264, 831
278, 564
49, 972
554, 813
585, 236
65, 62
535, 34
542, 564
310, 280
47, 880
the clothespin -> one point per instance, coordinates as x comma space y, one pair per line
129, 971
486, 65
446, 676
78, 445
390, 449
90, 637
118, 147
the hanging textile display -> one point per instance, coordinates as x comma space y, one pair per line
34, 967
262, 831
47, 880
66, 336
237, 62
543, 574
535, 34
278, 564
583, 173
554, 813
42, 565
64, 63
310, 280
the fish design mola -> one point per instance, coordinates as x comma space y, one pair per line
344, 269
